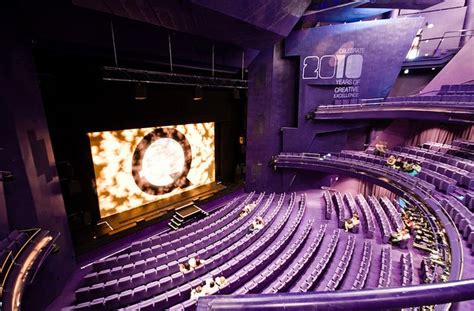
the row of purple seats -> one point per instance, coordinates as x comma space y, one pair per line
462, 217
310, 279
439, 157
340, 209
368, 225
465, 144
230, 207
157, 288
441, 182
373, 162
270, 254
234, 266
382, 219
393, 214
385, 276
407, 269
461, 176
349, 199
449, 149
457, 89
124, 265
289, 276
328, 205
440, 175
148, 269
266, 275
154, 242
342, 265
364, 267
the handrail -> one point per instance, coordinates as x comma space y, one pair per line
368, 299
444, 37
2, 285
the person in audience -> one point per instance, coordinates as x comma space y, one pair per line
407, 166
221, 281
391, 160
398, 163
197, 292
352, 222
380, 149
416, 168
195, 262
400, 236
184, 267
257, 224
245, 211
210, 287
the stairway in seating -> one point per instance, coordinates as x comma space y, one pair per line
186, 214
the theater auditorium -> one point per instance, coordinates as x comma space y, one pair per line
237, 155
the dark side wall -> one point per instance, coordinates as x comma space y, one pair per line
33, 198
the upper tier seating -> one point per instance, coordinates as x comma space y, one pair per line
22, 253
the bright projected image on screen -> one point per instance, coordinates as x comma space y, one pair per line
139, 166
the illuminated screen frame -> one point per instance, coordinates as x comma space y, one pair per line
120, 158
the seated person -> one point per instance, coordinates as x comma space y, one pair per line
407, 166
195, 262
257, 224
210, 287
379, 149
197, 292
244, 212
184, 267
398, 163
416, 168
221, 280
350, 223
391, 160
399, 236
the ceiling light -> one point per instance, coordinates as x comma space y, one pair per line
406, 71
198, 93
140, 91
429, 25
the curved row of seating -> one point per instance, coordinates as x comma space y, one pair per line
364, 267
381, 217
343, 265
125, 264
392, 213
153, 246
295, 270
407, 269
368, 224
449, 149
341, 213
168, 274
314, 272
172, 285
208, 222
22, 253
261, 280
328, 205
242, 267
385, 268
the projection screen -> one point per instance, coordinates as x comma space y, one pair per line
138, 166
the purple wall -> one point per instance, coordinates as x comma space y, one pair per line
459, 70
270, 94
33, 198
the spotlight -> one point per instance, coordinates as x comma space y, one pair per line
198, 93
406, 71
236, 94
140, 91
433, 68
